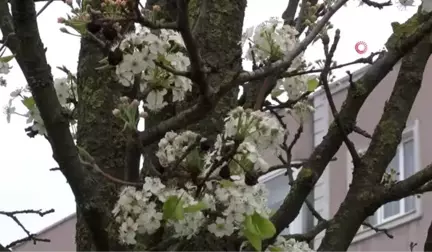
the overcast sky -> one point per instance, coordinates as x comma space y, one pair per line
25, 179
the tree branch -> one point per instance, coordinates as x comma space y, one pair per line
30, 236
197, 71
331, 143
32, 60
377, 5
323, 81
282, 65
385, 139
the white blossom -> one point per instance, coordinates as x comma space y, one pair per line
222, 227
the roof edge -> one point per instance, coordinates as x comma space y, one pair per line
342, 83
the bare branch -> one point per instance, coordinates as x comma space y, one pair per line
362, 132
377, 5
30, 236
44, 7
311, 234
3, 248
417, 183
32, 60
378, 230
380, 152
325, 84
88, 161
324, 152
197, 71
366, 60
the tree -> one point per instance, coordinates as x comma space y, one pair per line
180, 71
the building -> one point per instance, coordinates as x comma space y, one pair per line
407, 220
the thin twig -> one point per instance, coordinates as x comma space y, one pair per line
172, 70
324, 82
30, 236
377, 5
197, 72
378, 230
365, 60
44, 7
87, 160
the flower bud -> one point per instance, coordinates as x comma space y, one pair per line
143, 114
156, 7
124, 99
135, 103
116, 112
61, 20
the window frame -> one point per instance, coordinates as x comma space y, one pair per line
409, 133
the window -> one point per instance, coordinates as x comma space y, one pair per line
404, 164
278, 187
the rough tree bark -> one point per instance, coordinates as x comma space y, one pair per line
99, 132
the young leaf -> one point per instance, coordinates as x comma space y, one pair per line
312, 84
275, 249
6, 59
195, 208
254, 240
265, 227
226, 183
173, 208
250, 226
29, 102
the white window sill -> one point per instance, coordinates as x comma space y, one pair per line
392, 223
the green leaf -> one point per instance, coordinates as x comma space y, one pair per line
254, 240
7, 58
250, 226
79, 26
196, 207
29, 102
226, 183
275, 249
277, 92
173, 208
265, 227
312, 84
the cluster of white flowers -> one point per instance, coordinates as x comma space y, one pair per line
228, 206
239, 200
256, 127
149, 58
254, 131
65, 89
293, 86
271, 41
290, 245
4, 67
142, 211
174, 145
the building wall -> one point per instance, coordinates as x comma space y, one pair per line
62, 237
410, 227
277, 182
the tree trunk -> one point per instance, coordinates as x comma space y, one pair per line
428, 242
100, 133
